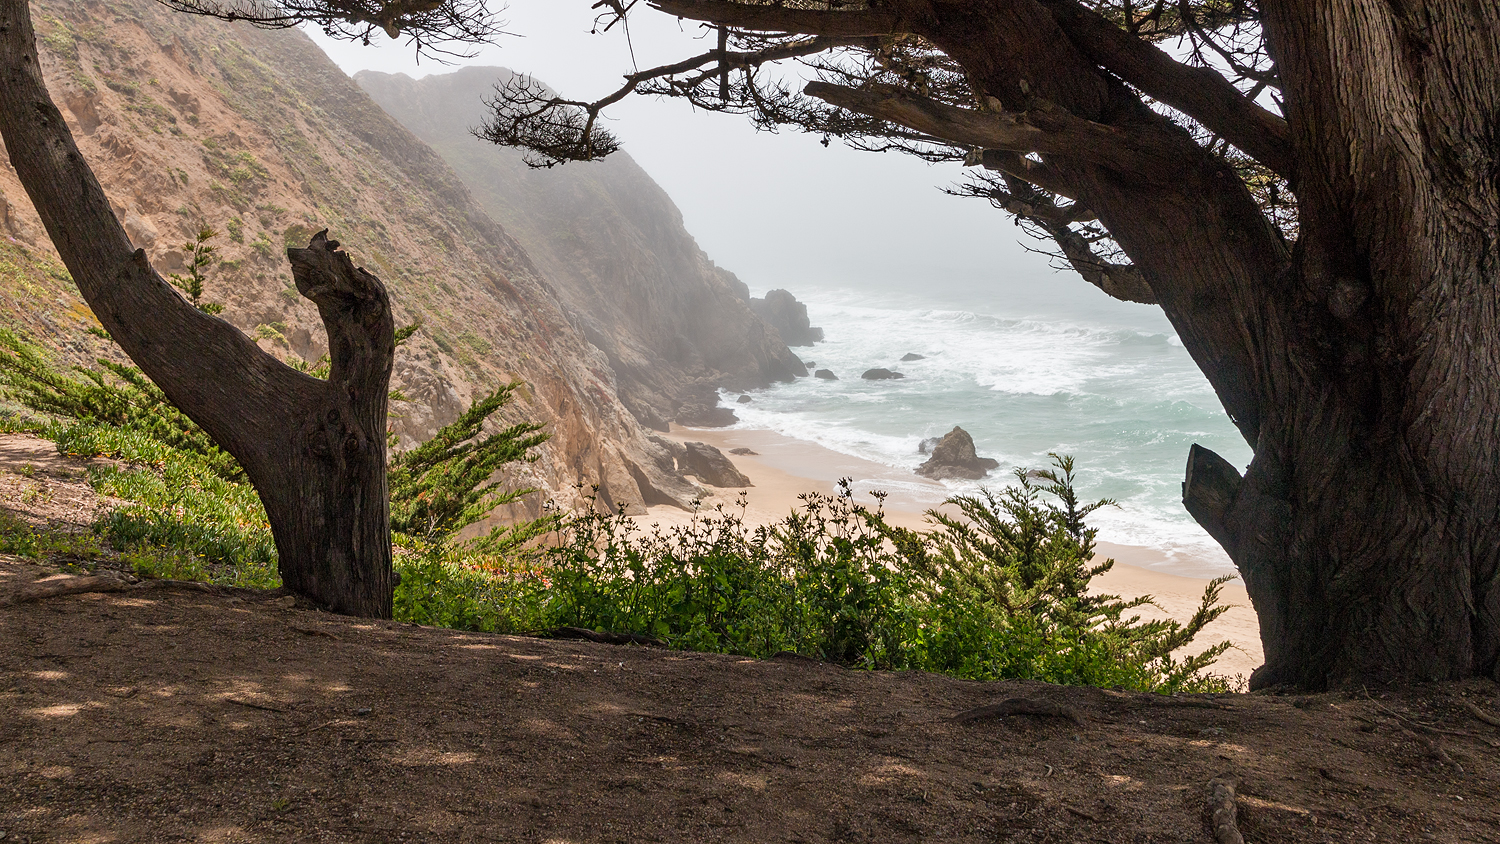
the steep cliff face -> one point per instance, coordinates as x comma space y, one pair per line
190, 122
612, 243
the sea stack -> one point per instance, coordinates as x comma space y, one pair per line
781, 310
954, 457
880, 374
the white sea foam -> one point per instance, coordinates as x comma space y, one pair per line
1114, 389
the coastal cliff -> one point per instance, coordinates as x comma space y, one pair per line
190, 122
612, 243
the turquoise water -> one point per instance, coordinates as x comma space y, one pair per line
1025, 372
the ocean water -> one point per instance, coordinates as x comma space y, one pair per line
1026, 373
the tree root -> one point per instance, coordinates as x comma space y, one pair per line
1018, 706
1482, 715
65, 586
115, 582
606, 638
1434, 749
1222, 810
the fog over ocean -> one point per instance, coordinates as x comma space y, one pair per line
1051, 368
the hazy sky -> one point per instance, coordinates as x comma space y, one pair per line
778, 209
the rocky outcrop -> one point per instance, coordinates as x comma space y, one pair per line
700, 408
710, 466
613, 246
788, 316
911, 356
188, 121
953, 456
881, 375
693, 415
826, 375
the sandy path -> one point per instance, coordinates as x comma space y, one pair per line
783, 468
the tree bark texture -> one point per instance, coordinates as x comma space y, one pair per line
1361, 365
1360, 362
314, 450
1368, 525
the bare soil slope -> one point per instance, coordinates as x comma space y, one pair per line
188, 717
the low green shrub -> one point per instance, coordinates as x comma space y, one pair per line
453, 590
999, 592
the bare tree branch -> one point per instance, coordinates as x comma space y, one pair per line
555, 130
1042, 217
1044, 129
426, 23
1200, 92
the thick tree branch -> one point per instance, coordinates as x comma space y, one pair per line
1208, 492
1199, 92
356, 311
807, 18
1121, 281
1043, 129
1038, 173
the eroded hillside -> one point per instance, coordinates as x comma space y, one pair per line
613, 244
190, 122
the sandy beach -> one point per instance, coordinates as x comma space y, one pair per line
783, 468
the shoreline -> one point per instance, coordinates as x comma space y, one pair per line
783, 468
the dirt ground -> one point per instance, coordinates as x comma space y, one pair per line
165, 715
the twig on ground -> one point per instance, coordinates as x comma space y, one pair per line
1418, 725
1081, 813
260, 706
1434, 749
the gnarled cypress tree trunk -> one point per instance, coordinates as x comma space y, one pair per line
1368, 525
314, 450
1360, 363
